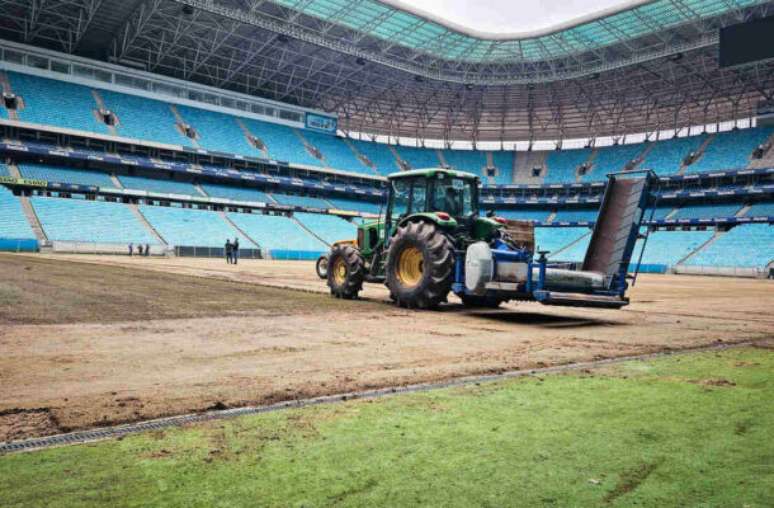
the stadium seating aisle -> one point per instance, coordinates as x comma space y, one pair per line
235, 193
218, 132
667, 155
281, 142
144, 119
281, 236
291, 200
668, 247
337, 154
379, 155
163, 186
189, 227
419, 158
747, 246
328, 227
554, 239
66, 175
612, 159
79, 220
563, 164
730, 150
707, 211
53, 102
13, 222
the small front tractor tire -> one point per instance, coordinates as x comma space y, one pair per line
346, 271
321, 267
420, 266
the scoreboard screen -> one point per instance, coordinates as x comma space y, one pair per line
747, 42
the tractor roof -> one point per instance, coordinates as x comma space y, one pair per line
431, 172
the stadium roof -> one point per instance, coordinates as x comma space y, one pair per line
388, 69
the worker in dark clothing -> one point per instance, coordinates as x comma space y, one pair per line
235, 251
131, 249
147, 249
139, 249
229, 251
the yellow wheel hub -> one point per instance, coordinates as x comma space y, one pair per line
410, 267
339, 272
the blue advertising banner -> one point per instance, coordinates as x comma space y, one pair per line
321, 123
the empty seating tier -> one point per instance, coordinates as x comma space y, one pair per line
357, 206
144, 119
503, 161
78, 220
666, 157
761, 210
668, 247
565, 215
160, 185
328, 227
306, 201
379, 154
531, 214
612, 159
66, 175
555, 239
281, 142
748, 246
192, 228
336, 152
706, 211
563, 165
730, 150
13, 222
419, 158
283, 237
236, 193
218, 132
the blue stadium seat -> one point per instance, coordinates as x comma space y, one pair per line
666, 156
53, 102
218, 132
4, 170
707, 211
612, 159
503, 161
668, 247
418, 158
569, 215
761, 210
537, 215
336, 152
13, 222
328, 227
162, 185
730, 150
66, 175
472, 161
291, 200
747, 246
281, 236
79, 220
379, 154
660, 213
282, 143
357, 206
236, 193
144, 119
187, 227
554, 239
563, 164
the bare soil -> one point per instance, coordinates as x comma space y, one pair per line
88, 341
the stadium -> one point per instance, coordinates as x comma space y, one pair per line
632, 143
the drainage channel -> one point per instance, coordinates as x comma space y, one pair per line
98, 434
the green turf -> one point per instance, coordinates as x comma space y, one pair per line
694, 430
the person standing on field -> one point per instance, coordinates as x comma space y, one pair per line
131, 249
235, 251
229, 251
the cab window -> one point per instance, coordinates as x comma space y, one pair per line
453, 196
401, 192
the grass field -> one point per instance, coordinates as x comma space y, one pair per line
688, 430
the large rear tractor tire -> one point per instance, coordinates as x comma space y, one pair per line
420, 266
346, 271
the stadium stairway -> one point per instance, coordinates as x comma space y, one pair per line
525, 162
312, 150
249, 135
556, 254
34, 221
141, 218
767, 161
701, 247
101, 106
116, 181
200, 190
394, 152
361, 157
181, 121
311, 232
241, 231
700, 151
442, 158
5, 87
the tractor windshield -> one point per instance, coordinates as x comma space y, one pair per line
453, 196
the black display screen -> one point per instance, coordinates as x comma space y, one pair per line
747, 42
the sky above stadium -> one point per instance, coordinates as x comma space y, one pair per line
506, 16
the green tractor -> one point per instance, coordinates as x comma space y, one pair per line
432, 241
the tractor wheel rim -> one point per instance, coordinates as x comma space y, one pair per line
339, 272
410, 267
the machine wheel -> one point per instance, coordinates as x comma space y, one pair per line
480, 301
420, 265
322, 266
346, 271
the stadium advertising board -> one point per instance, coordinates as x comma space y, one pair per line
321, 123
23, 181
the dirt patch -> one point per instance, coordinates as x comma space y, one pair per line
715, 382
631, 479
20, 423
109, 357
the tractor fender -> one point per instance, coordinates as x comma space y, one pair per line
431, 217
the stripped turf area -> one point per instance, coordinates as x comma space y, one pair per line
684, 430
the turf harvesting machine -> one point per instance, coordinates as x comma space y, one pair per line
433, 241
